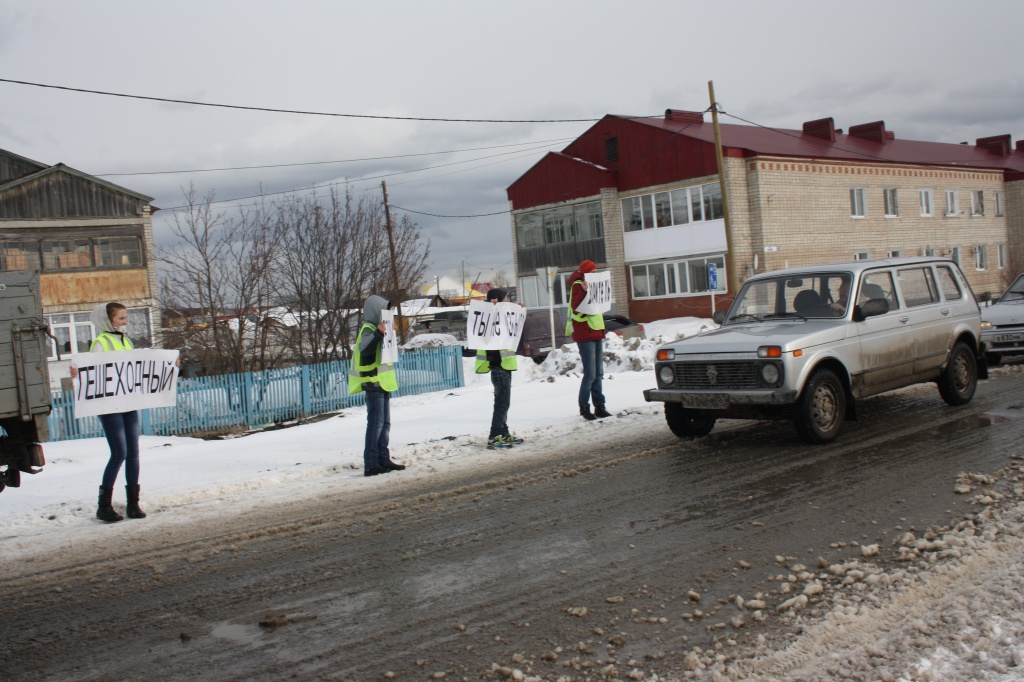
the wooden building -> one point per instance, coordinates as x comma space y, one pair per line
91, 241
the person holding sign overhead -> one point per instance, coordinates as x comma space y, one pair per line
500, 364
377, 379
587, 330
110, 320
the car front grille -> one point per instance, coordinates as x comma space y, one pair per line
717, 375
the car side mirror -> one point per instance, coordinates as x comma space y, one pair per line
719, 316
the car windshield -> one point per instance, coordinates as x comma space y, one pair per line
1015, 292
805, 296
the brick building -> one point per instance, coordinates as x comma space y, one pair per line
91, 241
642, 198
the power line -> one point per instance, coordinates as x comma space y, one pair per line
298, 111
320, 163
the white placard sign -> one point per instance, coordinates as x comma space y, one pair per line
389, 345
599, 294
494, 326
124, 380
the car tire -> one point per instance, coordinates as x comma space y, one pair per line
994, 358
689, 423
960, 378
822, 408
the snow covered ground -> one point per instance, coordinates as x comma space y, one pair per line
954, 610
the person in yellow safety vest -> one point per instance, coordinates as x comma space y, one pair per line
110, 320
588, 333
500, 364
377, 381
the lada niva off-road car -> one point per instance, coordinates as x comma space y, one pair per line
805, 344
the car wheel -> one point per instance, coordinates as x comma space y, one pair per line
689, 423
822, 409
994, 358
960, 379
539, 359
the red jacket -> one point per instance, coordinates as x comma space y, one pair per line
581, 331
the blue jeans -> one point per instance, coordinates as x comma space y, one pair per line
592, 356
378, 429
122, 432
501, 379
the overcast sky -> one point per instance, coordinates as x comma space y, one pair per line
940, 70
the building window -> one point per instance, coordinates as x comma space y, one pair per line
121, 251
999, 203
19, 256
675, 278
952, 208
675, 207
980, 257
857, 209
977, 203
862, 255
1001, 256
925, 196
954, 254
63, 254
892, 208
928, 251
564, 224
895, 253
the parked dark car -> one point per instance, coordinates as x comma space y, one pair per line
536, 339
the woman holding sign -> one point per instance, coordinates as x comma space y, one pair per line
110, 320
588, 333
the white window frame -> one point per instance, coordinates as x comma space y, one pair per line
977, 203
980, 257
925, 201
858, 207
677, 277
1001, 256
999, 204
890, 196
954, 254
895, 253
952, 204
862, 255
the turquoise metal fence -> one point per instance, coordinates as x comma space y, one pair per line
255, 399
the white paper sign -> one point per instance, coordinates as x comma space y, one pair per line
494, 326
124, 380
599, 294
389, 345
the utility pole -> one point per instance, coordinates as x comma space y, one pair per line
730, 263
394, 265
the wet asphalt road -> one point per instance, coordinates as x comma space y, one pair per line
443, 580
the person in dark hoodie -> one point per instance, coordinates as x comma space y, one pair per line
500, 364
378, 381
588, 333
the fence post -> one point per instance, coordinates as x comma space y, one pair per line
306, 392
247, 398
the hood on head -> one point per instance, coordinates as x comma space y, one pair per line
374, 306
100, 320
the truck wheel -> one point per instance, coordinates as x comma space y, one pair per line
822, 408
688, 423
960, 379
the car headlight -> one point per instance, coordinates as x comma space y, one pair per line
770, 374
985, 326
666, 375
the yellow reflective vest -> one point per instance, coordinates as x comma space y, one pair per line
374, 373
595, 322
108, 341
483, 365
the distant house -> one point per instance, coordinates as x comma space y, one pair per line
642, 197
91, 241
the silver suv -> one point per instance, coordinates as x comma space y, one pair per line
805, 344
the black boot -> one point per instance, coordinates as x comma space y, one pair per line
587, 414
104, 510
133, 510
601, 413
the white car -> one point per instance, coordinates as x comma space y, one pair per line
796, 345
1002, 324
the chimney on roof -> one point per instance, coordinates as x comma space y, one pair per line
1020, 146
997, 144
684, 116
825, 128
874, 132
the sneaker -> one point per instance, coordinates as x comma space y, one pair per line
497, 442
512, 439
